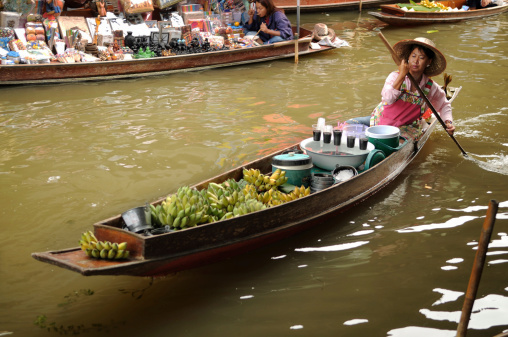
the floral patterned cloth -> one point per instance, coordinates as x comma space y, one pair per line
412, 131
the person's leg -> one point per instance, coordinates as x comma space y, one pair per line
359, 120
274, 39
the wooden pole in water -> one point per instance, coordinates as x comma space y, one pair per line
476, 273
297, 35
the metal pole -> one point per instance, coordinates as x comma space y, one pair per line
298, 17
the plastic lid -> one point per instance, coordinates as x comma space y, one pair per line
291, 159
375, 157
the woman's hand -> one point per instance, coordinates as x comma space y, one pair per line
403, 68
251, 13
264, 28
449, 128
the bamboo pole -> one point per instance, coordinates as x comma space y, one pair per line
476, 273
297, 35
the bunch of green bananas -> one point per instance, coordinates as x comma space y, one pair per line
223, 198
186, 208
249, 206
102, 249
264, 182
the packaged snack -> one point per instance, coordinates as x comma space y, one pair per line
137, 6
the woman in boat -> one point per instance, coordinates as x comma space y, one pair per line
52, 9
270, 21
401, 104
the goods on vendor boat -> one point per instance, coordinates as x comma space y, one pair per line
100, 45
106, 70
328, 5
214, 230
432, 12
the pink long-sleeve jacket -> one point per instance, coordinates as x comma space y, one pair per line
436, 96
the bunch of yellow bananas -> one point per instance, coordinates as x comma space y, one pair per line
264, 182
433, 4
277, 197
102, 249
273, 196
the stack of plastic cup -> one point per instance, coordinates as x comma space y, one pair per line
327, 134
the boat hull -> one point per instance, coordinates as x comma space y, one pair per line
107, 70
395, 16
328, 5
166, 253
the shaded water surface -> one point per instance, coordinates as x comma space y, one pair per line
396, 265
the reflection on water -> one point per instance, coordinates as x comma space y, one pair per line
487, 312
333, 248
448, 224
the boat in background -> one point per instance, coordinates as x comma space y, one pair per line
396, 16
107, 70
328, 5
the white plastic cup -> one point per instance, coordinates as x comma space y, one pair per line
321, 123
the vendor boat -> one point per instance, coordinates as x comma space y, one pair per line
174, 251
395, 15
108, 70
328, 5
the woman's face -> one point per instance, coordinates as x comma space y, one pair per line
260, 9
418, 61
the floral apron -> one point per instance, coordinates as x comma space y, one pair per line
405, 113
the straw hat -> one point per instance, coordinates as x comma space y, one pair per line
321, 31
438, 64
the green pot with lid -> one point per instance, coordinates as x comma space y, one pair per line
297, 166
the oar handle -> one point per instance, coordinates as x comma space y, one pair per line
422, 94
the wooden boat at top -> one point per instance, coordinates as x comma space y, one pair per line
192, 247
395, 16
328, 5
107, 70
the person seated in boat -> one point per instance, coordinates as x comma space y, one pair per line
480, 4
401, 105
269, 22
52, 9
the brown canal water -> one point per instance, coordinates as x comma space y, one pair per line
396, 265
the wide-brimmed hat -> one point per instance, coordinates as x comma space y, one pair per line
438, 64
321, 31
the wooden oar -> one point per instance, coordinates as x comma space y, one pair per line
476, 273
413, 81
254, 37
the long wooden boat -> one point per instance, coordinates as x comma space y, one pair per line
328, 5
192, 247
395, 16
106, 70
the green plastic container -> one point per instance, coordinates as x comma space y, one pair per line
384, 137
297, 166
